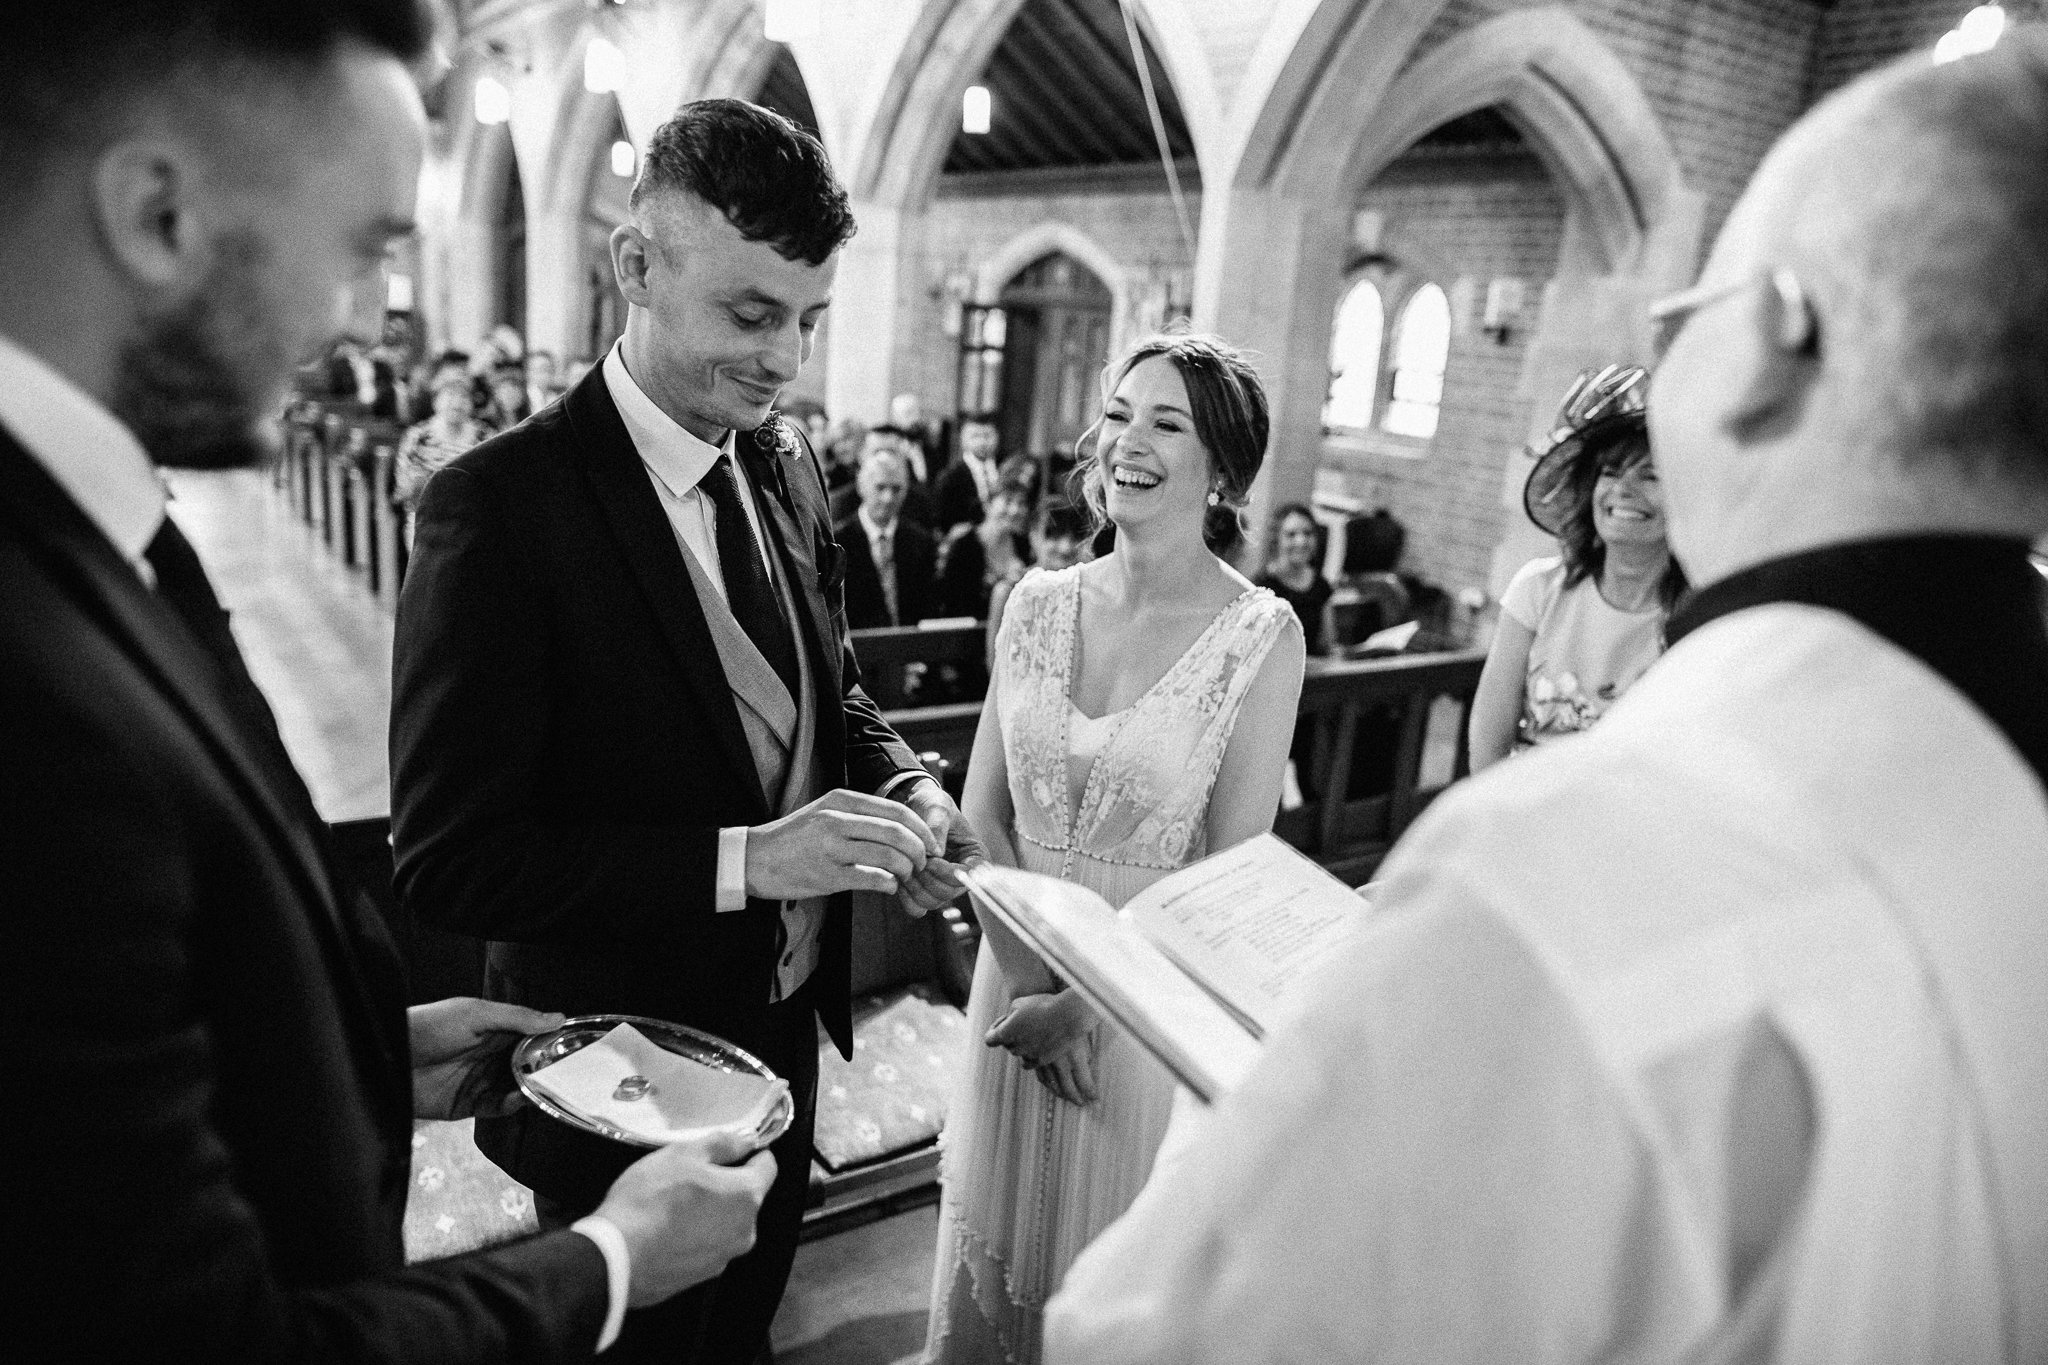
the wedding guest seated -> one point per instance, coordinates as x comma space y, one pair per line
928, 440
1369, 595
1291, 572
541, 388
1061, 536
508, 405
429, 445
890, 558
966, 485
1579, 627
973, 559
840, 452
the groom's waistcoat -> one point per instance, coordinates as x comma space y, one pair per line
782, 732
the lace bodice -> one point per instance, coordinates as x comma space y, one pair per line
1144, 800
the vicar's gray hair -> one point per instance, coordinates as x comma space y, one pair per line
1943, 268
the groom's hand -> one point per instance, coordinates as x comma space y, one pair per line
843, 841
939, 884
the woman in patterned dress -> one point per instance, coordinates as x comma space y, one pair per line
1578, 628
1138, 719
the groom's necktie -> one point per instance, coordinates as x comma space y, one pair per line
747, 590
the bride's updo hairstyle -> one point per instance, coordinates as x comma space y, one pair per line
1228, 404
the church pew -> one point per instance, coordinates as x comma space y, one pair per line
892, 658
1395, 715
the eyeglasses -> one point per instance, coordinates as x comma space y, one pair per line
1668, 315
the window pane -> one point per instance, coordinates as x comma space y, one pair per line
1355, 358
1421, 347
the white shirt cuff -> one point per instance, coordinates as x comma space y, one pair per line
618, 1272
901, 782
731, 892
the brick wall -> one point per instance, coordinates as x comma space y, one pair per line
1725, 76
1478, 220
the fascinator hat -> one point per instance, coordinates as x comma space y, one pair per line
1600, 405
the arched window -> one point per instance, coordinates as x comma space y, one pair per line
1355, 358
1421, 345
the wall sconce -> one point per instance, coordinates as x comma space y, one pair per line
625, 161
1503, 309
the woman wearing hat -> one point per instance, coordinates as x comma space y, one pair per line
1578, 628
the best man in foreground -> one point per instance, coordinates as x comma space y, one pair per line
211, 1077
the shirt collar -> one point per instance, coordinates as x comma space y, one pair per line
91, 453
676, 457
874, 528
1972, 608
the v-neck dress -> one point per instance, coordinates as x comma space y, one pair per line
1113, 803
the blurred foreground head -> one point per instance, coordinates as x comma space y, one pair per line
195, 195
1866, 352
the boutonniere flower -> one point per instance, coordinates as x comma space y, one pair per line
776, 437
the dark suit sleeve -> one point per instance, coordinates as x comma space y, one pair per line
471, 692
133, 1237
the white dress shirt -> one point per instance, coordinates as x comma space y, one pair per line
89, 452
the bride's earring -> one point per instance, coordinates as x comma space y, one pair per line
1215, 498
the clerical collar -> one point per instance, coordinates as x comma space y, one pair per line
1972, 608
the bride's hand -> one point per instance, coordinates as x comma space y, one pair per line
1054, 1036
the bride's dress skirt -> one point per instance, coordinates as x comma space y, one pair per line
1030, 1179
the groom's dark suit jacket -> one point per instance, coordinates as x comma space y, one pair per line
209, 1105
565, 746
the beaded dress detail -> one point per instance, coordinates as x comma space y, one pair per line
1113, 803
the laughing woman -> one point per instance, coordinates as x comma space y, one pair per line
1138, 718
1578, 629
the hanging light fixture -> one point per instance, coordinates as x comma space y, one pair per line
604, 67
493, 100
974, 109
1979, 31
624, 160
784, 21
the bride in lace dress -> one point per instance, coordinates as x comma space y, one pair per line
1139, 717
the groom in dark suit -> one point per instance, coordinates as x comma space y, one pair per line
211, 1074
629, 744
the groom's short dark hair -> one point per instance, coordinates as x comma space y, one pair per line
767, 176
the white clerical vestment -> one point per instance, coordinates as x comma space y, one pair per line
1718, 1033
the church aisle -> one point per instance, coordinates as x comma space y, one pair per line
317, 642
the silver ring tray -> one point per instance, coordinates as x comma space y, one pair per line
538, 1050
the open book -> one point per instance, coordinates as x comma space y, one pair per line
1198, 967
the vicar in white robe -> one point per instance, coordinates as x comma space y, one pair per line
1721, 1031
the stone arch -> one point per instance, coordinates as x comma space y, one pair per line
1041, 239
1581, 109
1350, 98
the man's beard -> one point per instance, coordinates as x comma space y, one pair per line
197, 382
